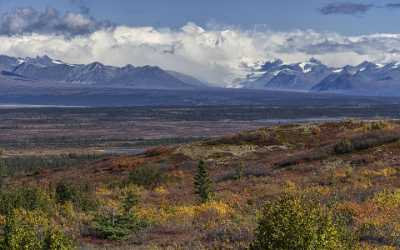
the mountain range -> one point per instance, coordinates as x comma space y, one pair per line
46, 72
366, 78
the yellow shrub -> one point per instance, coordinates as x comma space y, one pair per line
111, 205
67, 211
186, 214
370, 173
131, 188
376, 125
386, 172
387, 199
318, 190
103, 191
35, 217
290, 186
221, 208
2, 220
368, 247
389, 172
155, 215
161, 190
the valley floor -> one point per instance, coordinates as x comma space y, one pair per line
148, 200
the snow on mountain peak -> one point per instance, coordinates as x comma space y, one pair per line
396, 65
306, 67
45, 70
339, 70
312, 75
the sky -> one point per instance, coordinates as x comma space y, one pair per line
282, 15
217, 41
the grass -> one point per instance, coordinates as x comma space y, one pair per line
32, 164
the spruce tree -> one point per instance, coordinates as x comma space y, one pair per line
130, 201
202, 183
2, 172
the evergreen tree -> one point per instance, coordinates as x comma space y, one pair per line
202, 183
130, 201
239, 169
2, 172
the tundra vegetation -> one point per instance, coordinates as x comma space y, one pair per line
330, 185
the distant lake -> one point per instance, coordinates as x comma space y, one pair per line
7, 106
124, 151
304, 120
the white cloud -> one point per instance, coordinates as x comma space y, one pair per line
215, 54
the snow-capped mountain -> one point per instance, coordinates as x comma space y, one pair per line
299, 76
366, 78
8, 63
46, 71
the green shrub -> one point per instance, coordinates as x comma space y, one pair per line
239, 171
81, 195
65, 192
35, 163
3, 173
345, 146
112, 225
366, 141
130, 201
146, 176
32, 230
28, 198
116, 227
295, 223
21, 234
57, 240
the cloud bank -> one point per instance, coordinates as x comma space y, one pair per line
30, 20
218, 55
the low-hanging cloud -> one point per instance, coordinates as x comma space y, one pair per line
393, 5
50, 21
215, 54
345, 8
352, 8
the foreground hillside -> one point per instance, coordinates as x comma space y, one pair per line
148, 201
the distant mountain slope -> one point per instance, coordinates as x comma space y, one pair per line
8, 63
366, 78
277, 75
188, 79
300, 76
44, 71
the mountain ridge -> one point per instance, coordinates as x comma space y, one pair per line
367, 78
45, 71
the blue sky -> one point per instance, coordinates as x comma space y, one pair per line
280, 15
